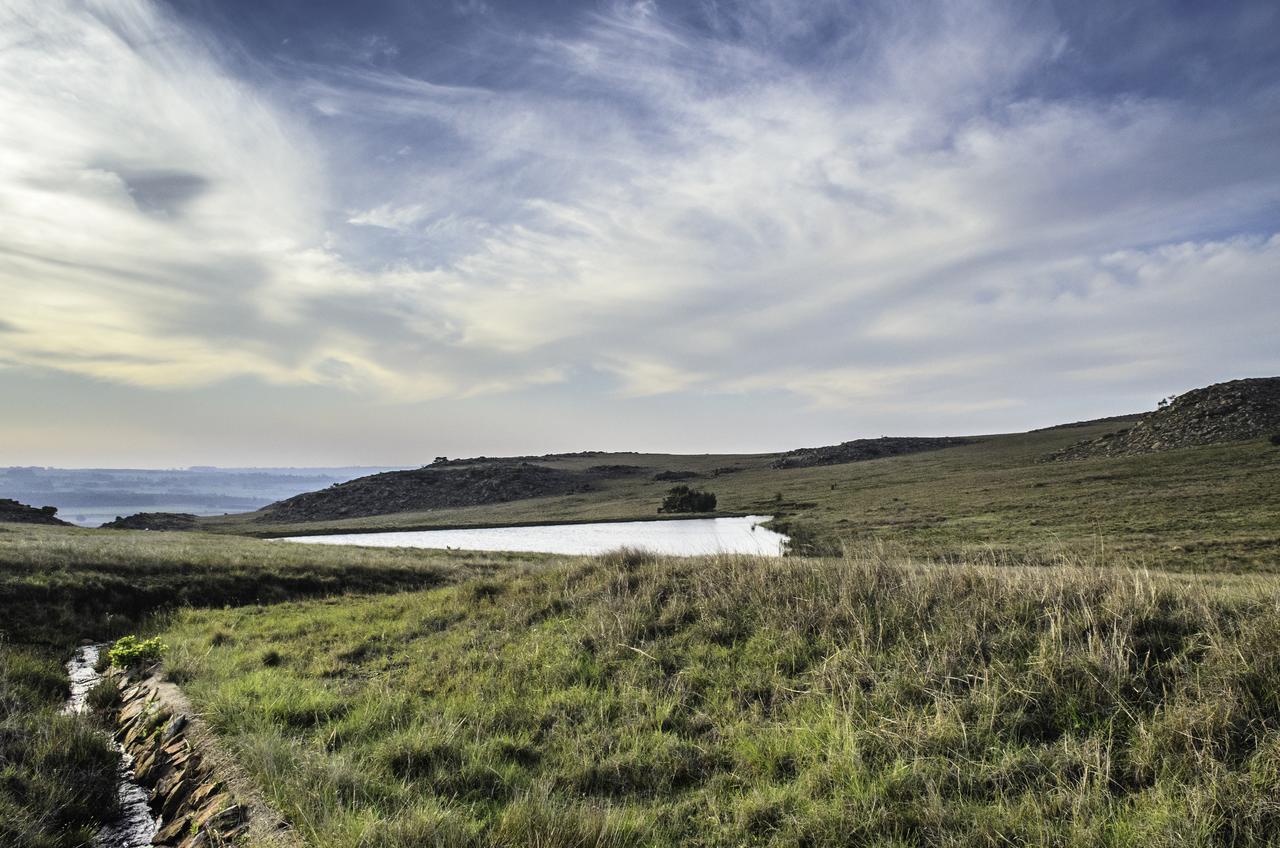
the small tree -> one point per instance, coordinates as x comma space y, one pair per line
1275, 439
684, 499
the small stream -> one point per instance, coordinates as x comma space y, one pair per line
135, 825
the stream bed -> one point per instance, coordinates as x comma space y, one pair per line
134, 826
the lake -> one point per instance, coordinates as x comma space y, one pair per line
686, 537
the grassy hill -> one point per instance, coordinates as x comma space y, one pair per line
1208, 507
632, 701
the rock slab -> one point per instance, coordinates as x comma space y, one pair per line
195, 808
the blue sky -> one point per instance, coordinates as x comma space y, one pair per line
305, 232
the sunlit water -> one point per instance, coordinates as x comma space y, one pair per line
691, 537
134, 825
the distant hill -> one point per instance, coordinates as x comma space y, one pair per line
20, 513
154, 521
1236, 411
860, 450
432, 487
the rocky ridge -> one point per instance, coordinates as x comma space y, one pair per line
20, 513
860, 450
1235, 411
153, 521
428, 488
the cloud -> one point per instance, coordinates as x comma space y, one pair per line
388, 217
893, 217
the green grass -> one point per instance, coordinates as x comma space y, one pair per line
58, 585
1210, 508
627, 700
57, 772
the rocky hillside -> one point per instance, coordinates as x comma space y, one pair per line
20, 513
153, 521
433, 487
1236, 411
860, 450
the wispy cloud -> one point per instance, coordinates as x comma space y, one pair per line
859, 205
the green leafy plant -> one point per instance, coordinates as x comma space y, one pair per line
131, 652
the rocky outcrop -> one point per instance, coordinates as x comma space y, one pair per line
669, 476
428, 488
20, 513
1237, 411
860, 450
153, 521
196, 810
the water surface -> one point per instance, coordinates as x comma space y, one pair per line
134, 825
689, 537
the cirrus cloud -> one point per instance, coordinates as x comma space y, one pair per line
904, 214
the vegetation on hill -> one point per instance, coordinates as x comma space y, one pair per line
628, 700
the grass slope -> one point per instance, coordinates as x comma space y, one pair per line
1215, 507
627, 700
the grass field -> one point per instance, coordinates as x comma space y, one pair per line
627, 700
59, 585
1197, 509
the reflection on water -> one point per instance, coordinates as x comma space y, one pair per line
692, 537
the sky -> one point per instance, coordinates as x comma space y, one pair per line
299, 232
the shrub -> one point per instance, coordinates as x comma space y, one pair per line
684, 499
131, 652
1275, 439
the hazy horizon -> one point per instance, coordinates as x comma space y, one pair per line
274, 234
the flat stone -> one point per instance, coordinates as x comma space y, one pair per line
205, 791
176, 800
175, 726
172, 831
218, 820
177, 747
167, 784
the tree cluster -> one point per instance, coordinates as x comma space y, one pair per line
685, 499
